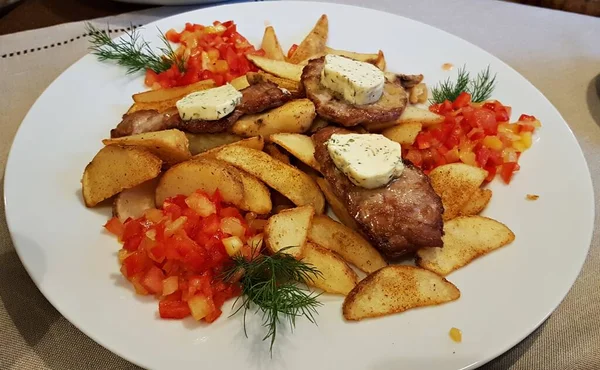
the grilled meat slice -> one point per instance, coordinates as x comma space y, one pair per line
255, 99
329, 106
399, 218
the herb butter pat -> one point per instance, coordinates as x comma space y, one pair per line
357, 82
210, 105
368, 160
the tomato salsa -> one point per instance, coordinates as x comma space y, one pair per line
478, 134
179, 253
216, 52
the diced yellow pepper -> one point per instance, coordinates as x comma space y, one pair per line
519, 146
468, 158
526, 138
492, 142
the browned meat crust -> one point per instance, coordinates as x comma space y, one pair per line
399, 218
388, 108
255, 99
409, 81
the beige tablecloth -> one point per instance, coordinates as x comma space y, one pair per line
558, 52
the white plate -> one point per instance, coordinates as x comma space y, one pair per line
505, 295
173, 2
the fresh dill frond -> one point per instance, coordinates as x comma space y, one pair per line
480, 88
271, 285
131, 51
169, 53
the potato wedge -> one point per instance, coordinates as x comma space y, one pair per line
257, 197
337, 206
201, 174
314, 42
173, 92
274, 151
254, 142
172, 146
295, 116
336, 276
456, 183
294, 87
465, 239
277, 67
380, 62
289, 229
270, 44
409, 115
160, 106
403, 134
200, 143
135, 201
395, 289
346, 242
240, 83
288, 180
477, 203
116, 168
300, 146
376, 59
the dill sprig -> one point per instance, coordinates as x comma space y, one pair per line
480, 88
132, 51
271, 284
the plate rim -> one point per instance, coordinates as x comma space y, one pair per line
117, 351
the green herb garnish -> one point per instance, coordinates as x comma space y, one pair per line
480, 88
271, 285
132, 51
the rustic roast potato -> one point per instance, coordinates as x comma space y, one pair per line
455, 183
288, 180
201, 174
240, 83
173, 92
135, 201
403, 134
274, 151
346, 242
337, 206
477, 203
277, 67
254, 142
313, 43
465, 239
300, 146
270, 44
257, 197
397, 288
289, 228
376, 59
409, 115
199, 143
335, 275
116, 168
295, 116
294, 87
160, 106
172, 146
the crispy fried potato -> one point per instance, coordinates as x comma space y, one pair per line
380, 62
257, 197
134, 201
376, 59
277, 153
477, 203
338, 208
201, 174
294, 87
200, 143
346, 242
240, 83
300, 146
336, 276
288, 229
288, 180
314, 42
271, 45
172, 146
295, 116
397, 288
159, 106
173, 92
409, 115
465, 239
254, 142
277, 67
418, 94
317, 124
116, 168
455, 183
404, 134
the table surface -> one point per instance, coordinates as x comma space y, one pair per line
557, 51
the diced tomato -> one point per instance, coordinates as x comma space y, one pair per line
173, 36
527, 118
115, 227
462, 100
173, 309
507, 171
483, 155
153, 279
292, 50
136, 262
491, 170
